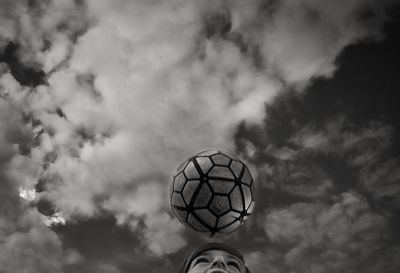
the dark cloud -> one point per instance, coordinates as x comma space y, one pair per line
112, 95
337, 141
28, 76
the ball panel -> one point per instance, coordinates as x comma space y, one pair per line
235, 225
189, 190
204, 163
181, 166
227, 219
246, 195
221, 172
180, 214
219, 204
250, 208
221, 186
253, 191
203, 197
207, 153
179, 182
236, 199
246, 178
236, 168
217, 234
220, 159
191, 171
196, 224
207, 217
177, 200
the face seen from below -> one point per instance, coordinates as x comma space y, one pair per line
216, 261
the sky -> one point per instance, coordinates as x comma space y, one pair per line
101, 100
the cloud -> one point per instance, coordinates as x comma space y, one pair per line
339, 180
44, 31
162, 233
25, 240
301, 40
261, 261
341, 135
156, 104
32, 247
107, 268
316, 237
318, 161
134, 87
367, 152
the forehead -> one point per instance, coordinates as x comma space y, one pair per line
217, 252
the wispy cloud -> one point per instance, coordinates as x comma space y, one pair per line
316, 237
343, 182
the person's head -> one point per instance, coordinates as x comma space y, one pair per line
215, 258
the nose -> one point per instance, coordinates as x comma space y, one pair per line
218, 262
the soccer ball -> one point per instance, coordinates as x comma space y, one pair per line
213, 193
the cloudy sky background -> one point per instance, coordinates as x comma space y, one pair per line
101, 100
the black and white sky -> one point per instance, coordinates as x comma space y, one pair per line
101, 100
